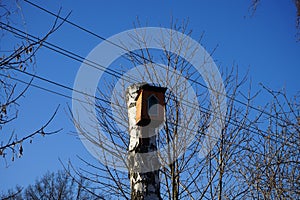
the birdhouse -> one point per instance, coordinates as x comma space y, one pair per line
150, 105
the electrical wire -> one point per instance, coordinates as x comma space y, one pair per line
59, 93
80, 59
69, 97
98, 66
194, 81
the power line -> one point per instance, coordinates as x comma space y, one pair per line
37, 86
95, 65
244, 127
142, 57
66, 53
55, 92
80, 59
69, 97
111, 72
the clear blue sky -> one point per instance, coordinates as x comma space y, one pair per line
264, 44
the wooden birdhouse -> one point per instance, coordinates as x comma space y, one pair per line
150, 105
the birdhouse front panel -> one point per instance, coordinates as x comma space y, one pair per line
150, 105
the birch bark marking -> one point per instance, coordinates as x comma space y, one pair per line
144, 185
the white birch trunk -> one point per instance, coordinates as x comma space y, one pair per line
144, 185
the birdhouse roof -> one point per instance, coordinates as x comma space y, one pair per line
151, 88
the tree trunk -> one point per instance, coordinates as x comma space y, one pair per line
143, 171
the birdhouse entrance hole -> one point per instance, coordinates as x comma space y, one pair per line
153, 106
